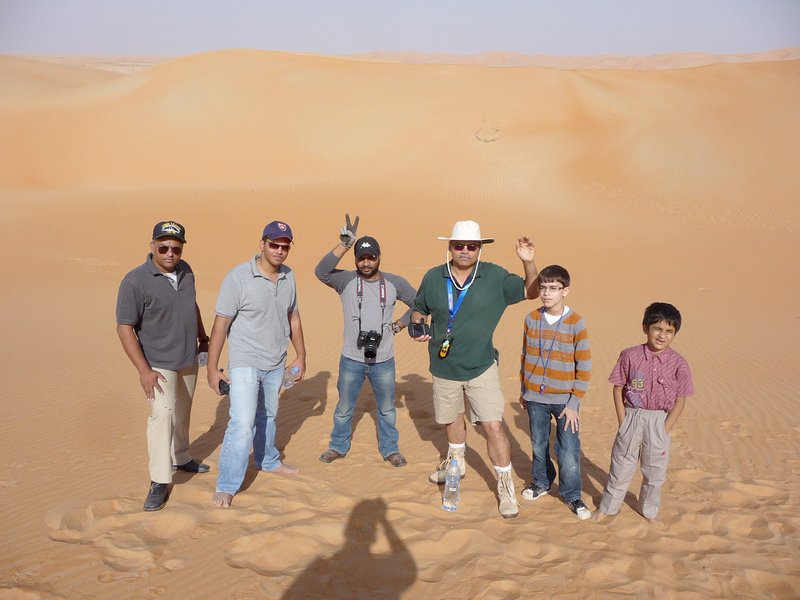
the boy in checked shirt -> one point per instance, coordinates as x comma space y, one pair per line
651, 382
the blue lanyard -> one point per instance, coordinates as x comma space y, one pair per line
453, 308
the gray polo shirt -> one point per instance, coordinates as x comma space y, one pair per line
164, 317
372, 317
259, 334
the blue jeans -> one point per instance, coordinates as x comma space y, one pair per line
351, 378
567, 449
254, 407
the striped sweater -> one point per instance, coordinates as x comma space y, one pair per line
557, 357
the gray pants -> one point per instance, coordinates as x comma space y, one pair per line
641, 439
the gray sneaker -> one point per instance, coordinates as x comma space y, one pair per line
440, 474
508, 506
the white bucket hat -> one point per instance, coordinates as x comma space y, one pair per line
467, 231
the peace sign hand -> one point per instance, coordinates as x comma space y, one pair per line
347, 235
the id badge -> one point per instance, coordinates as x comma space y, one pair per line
444, 349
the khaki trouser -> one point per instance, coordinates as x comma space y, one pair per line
641, 439
168, 424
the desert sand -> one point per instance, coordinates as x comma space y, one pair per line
676, 185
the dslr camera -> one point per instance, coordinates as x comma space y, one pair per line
369, 341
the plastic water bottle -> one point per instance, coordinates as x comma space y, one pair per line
289, 376
452, 487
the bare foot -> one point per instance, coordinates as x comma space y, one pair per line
598, 515
222, 499
286, 470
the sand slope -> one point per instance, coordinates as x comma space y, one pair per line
676, 185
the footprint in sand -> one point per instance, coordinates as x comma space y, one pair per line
257, 550
129, 540
487, 133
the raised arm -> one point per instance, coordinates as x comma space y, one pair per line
526, 251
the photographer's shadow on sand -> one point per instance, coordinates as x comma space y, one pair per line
355, 571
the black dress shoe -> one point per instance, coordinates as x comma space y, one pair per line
193, 467
157, 498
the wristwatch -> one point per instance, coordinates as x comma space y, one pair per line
396, 327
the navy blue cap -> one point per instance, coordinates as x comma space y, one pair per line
277, 229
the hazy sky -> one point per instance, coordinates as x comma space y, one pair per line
556, 27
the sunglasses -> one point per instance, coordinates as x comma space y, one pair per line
470, 247
176, 250
274, 246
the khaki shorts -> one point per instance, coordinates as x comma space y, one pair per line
486, 402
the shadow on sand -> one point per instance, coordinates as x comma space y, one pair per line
354, 571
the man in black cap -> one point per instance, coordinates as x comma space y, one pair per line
159, 324
368, 297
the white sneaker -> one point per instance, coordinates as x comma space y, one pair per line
440, 474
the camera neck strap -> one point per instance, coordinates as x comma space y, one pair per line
381, 293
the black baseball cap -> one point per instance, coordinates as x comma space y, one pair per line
367, 245
169, 229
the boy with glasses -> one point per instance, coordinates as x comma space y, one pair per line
159, 325
257, 310
556, 366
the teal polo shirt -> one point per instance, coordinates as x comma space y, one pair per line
471, 352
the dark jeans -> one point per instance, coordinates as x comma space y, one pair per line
567, 450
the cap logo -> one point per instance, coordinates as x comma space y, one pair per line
282, 226
365, 245
172, 228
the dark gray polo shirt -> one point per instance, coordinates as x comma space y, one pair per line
259, 334
164, 318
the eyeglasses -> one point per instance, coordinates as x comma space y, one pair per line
274, 246
176, 250
550, 289
470, 247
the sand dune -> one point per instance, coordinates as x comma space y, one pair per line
675, 185
675, 60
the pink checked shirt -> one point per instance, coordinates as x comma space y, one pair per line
652, 381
